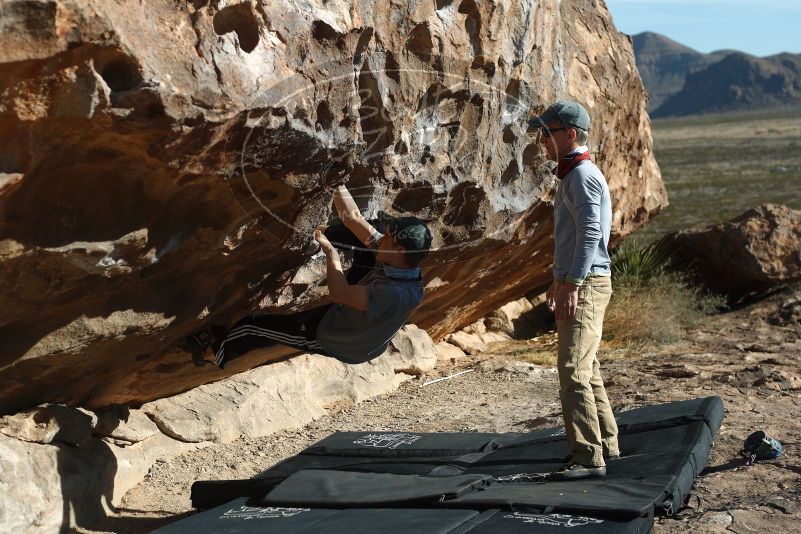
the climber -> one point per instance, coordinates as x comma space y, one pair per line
369, 304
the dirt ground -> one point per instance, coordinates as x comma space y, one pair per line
750, 357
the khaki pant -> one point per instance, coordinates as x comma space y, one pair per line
589, 423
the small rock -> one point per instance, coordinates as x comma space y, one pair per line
782, 504
50, 423
448, 351
717, 518
469, 343
123, 424
679, 371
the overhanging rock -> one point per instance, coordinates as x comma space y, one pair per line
166, 162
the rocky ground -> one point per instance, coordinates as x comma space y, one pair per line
749, 357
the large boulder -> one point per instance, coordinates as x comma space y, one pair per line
750, 254
164, 164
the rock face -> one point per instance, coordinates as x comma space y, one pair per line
164, 164
750, 254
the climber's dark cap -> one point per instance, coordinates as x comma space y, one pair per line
409, 232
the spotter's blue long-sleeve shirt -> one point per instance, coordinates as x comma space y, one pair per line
582, 224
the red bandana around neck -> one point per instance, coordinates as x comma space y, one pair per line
566, 165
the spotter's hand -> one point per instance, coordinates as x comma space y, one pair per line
325, 244
566, 301
550, 297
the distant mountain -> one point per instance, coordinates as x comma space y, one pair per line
663, 64
738, 82
683, 81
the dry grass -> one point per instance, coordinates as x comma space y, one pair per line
717, 166
540, 350
538, 357
651, 304
654, 311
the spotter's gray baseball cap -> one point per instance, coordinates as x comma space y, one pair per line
567, 112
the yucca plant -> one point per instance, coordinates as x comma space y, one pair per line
637, 264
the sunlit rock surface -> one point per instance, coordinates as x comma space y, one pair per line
164, 164
751, 254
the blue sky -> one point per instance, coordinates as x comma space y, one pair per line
759, 27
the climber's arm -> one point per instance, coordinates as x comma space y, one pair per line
340, 291
351, 217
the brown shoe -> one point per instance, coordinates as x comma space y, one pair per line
578, 472
569, 458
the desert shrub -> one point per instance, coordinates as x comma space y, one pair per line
633, 264
651, 303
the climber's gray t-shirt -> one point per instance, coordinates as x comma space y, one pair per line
355, 336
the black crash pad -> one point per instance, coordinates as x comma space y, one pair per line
498, 479
241, 517
401, 444
315, 487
